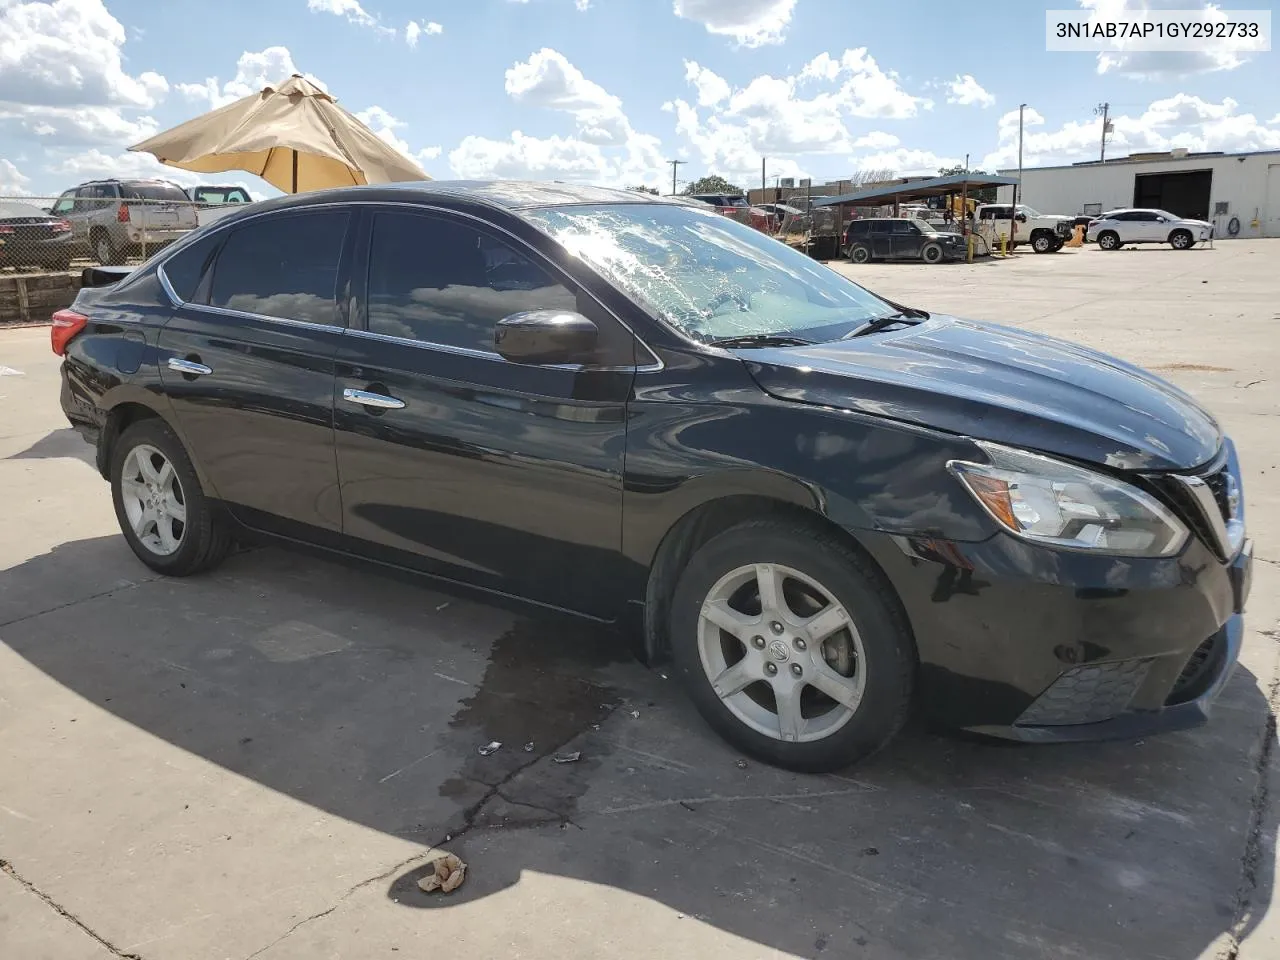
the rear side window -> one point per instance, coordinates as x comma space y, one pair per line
185, 268
859, 228
153, 191
283, 266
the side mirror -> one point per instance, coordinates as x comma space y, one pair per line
1021, 218
545, 337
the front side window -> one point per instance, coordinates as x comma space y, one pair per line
283, 266
445, 282
65, 203
710, 276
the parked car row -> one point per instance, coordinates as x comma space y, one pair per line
109, 221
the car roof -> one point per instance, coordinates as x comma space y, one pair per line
502, 194
17, 208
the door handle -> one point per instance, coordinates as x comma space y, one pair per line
379, 401
189, 367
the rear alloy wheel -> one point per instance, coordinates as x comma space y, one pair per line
104, 251
1042, 243
164, 515
790, 648
1181, 240
1109, 240
932, 253
859, 254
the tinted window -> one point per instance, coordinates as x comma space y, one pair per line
1146, 216
282, 266
880, 227
65, 202
153, 191
859, 228
185, 268
442, 281
901, 227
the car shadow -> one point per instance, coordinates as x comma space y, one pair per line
57, 444
367, 696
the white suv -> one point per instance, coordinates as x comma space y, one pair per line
1118, 228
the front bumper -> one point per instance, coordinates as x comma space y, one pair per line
1027, 643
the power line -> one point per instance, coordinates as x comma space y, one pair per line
675, 165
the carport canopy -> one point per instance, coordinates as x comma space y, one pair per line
906, 191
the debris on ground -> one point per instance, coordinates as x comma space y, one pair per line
528, 747
493, 746
742, 764
442, 606
572, 757
447, 874
635, 714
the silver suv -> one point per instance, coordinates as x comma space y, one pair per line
115, 219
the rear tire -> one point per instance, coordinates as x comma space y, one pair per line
932, 253
868, 659
104, 250
170, 524
1181, 240
859, 253
1109, 240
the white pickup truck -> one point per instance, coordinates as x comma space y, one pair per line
215, 202
1046, 232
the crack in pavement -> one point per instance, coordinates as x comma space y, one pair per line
118, 588
7, 868
469, 815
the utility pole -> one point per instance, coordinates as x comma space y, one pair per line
1103, 109
1017, 187
675, 165
763, 180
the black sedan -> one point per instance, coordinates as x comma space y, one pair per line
826, 508
30, 237
900, 238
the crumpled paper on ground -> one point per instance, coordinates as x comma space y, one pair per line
447, 875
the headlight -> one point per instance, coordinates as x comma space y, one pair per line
1055, 503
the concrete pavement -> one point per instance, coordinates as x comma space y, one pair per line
259, 762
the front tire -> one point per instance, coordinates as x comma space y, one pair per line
932, 253
1181, 240
1042, 243
792, 646
164, 515
1109, 240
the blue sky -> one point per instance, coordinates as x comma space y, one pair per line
606, 90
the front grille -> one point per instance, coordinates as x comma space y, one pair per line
1087, 694
1063, 229
1198, 673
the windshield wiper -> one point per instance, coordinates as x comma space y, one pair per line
888, 320
761, 340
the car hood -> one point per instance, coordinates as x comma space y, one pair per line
997, 383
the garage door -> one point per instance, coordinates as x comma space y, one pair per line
1186, 194
1271, 213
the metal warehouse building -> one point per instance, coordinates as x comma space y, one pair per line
1237, 192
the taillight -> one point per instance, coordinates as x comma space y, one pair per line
66, 324
122, 214
61, 226
4, 228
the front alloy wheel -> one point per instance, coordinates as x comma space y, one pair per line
781, 653
1181, 240
792, 645
1042, 243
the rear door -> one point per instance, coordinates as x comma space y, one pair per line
504, 475
248, 363
881, 242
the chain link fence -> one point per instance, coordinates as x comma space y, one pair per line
56, 234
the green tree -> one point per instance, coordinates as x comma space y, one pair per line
981, 195
713, 183
641, 188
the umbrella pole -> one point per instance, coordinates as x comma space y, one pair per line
295, 171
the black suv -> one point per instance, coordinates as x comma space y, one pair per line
826, 508
899, 238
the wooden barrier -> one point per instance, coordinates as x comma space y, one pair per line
35, 297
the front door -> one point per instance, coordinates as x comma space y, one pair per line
458, 462
248, 363
907, 240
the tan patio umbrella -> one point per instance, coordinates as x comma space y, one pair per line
294, 136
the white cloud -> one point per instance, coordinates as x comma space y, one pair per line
68, 53
866, 90
605, 148
966, 91
415, 29
1178, 121
904, 162
73, 126
877, 140
712, 88
751, 23
582, 6
12, 181
384, 125
1161, 65
254, 70
352, 10
94, 163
